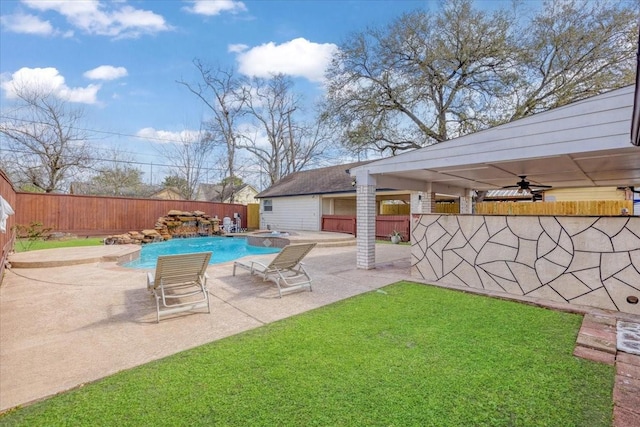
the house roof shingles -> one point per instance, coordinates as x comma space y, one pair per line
332, 179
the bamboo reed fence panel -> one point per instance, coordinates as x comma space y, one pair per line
565, 208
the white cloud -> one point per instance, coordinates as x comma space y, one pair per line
298, 58
104, 18
65, 7
215, 7
47, 81
26, 24
237, 48
166, 137
106, 72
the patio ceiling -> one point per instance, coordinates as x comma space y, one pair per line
615, 167
584, 144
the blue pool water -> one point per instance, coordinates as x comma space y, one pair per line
224, 249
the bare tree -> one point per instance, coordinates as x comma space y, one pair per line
259, 117
188, 158
44, 145
429, 77
420, 80
280, 143
219, 90
117, 176
574, 49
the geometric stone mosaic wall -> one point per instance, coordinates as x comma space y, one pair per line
593, 261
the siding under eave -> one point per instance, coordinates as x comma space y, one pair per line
292, 213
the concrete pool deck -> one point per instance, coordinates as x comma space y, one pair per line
67, 325
64, 326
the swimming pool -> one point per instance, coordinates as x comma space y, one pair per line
224, 249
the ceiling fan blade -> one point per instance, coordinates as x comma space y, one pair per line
524, 185
540, 186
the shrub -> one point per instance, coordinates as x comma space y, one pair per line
28, 234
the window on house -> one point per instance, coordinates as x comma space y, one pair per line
267, 205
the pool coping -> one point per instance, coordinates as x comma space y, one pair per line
62, 257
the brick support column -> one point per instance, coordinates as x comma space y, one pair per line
466, 203
423, 202
366, 214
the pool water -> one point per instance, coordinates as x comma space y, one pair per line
223, 248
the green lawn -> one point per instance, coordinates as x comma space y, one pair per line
407, 355
26, 245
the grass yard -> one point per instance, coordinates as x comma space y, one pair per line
25, 245
406, 355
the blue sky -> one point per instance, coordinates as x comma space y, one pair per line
119, 60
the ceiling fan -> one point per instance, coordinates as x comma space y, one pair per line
524, 185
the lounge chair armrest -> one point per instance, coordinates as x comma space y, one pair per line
258, 263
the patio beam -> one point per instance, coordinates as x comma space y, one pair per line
388, 181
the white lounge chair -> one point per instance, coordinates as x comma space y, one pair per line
228, 225
285, 270
180, 283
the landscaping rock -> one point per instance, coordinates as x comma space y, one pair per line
175, 224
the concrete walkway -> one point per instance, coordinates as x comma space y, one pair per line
61, 327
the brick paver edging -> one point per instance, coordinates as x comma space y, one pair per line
597, 342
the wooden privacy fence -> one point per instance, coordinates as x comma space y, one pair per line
398, 209
253, 216
395, 209
6, 241
98, 215
582, 207
385, 225
339, 223
447, 207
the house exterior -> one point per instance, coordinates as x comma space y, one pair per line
324, 199
298, 200
167, 193
508, 195
562, 194
243, 195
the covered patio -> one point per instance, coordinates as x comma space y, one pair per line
591, 261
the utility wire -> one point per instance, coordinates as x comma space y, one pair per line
150, 138
120, 134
